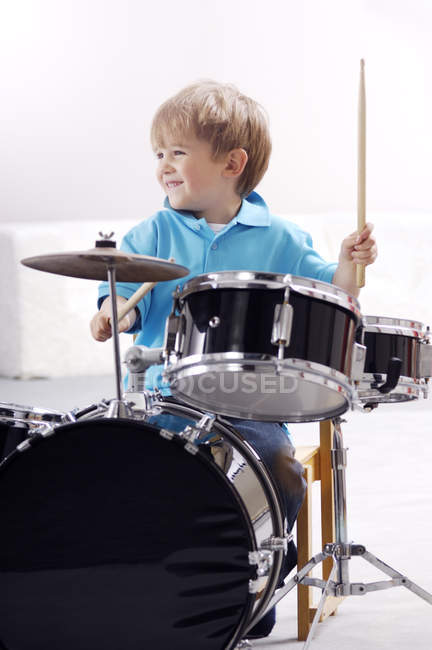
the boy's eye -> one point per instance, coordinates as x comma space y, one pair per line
177, 152
159, 155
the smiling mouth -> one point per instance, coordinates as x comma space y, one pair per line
173, 184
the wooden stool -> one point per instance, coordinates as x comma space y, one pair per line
317, 465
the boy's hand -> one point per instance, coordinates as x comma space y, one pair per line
360, 249
100, 324
355, 249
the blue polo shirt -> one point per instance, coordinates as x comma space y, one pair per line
254, 240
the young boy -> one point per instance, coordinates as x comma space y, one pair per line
212, 146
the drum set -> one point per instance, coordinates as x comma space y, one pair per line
148, 521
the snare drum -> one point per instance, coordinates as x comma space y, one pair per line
264, 346
406, 340
128, 535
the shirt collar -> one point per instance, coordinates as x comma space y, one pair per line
253, 211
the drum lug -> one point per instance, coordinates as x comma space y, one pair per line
167, 434
425, 360
174, 337
358, 362
24, 445
171, 329
191, 448
70, 416
194, 432
263, 560
282, 324
276, 543
43, 430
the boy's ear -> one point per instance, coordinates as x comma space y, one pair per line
235, 163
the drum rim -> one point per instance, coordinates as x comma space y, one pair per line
12, 412
314, 373
397, 326
410, 387
262, 279
405, 392
264, 478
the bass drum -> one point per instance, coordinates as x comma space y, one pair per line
117, 533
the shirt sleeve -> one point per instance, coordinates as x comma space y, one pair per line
310, 264
141, 240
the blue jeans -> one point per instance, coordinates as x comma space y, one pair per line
275, 449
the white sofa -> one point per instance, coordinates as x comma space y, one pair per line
45, 331
45, 317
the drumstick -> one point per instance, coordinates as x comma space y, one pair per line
136, 297
361, 177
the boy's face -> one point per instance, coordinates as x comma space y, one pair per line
190, 176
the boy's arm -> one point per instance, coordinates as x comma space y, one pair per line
100, 324
355, 249
141, 240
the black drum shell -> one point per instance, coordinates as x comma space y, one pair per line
10, 437
322, 332
380, 347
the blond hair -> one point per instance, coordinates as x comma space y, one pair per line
224, 117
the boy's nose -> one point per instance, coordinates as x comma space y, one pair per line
166, 166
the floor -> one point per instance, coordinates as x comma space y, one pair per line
389, 483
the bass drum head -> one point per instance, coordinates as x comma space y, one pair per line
114, 537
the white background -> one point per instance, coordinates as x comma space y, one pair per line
81, 80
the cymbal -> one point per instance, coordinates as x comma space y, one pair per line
93, 265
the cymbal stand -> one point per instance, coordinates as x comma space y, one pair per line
338, 583
118, 407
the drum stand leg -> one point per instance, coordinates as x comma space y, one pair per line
338, 583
